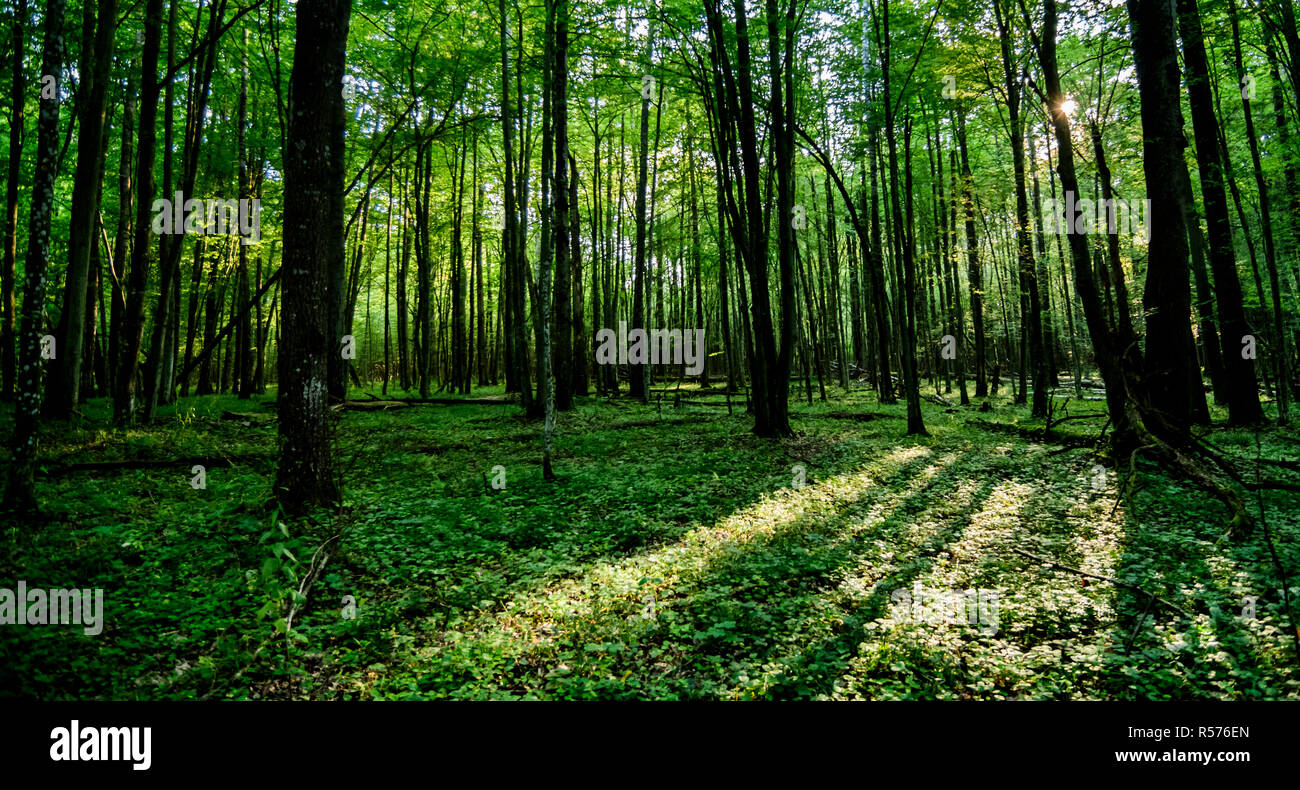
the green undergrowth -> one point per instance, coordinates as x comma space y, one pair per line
677, 556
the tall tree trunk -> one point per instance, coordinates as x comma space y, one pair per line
907, 292
874, 257
168, 246
388, 260
459, 341
1233, 336
1170, 367
143, 252
1031, 318
20, 494
782, 109
18, 101
211, 317
476, 247
551, 236
243, 330
423, 277
974, 271
577, 351
1115, 269
562, 222
1110, 354
1242, 391
96, 65
955, 281
117, 266
313, 241
512, 255
638, 379
403, 311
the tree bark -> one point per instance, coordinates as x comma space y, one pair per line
20, 494
143, 252
65, 390
18, 101
1242, 391
313, 239
1167, 299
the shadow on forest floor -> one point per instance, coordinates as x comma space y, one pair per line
677, 557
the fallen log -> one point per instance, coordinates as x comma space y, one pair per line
186, 463
403, 403
865, 416
1033, 435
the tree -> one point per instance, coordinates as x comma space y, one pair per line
142, 252
1170, 370
18, 102
1031, 308
313, 237
905, 254
20, 494
1242, 391
638, 380
562, 218
96, 64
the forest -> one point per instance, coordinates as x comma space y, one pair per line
680, 350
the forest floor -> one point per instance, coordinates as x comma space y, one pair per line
677, 557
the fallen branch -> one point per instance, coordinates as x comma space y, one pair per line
314, 570
1133, 587
1032, 435
109, 466
403, 403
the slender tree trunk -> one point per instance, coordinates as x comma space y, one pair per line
168, 246
1031, 318
459, 342
117, 266
1106, 345
143, 252
243, 330
20, 494
907, 293
1242, 390
65, 390
637, 376
562, 220
1234, 335
974, 271
18, 101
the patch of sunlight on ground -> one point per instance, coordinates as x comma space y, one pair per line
637, 589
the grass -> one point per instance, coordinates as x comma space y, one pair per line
677, 557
